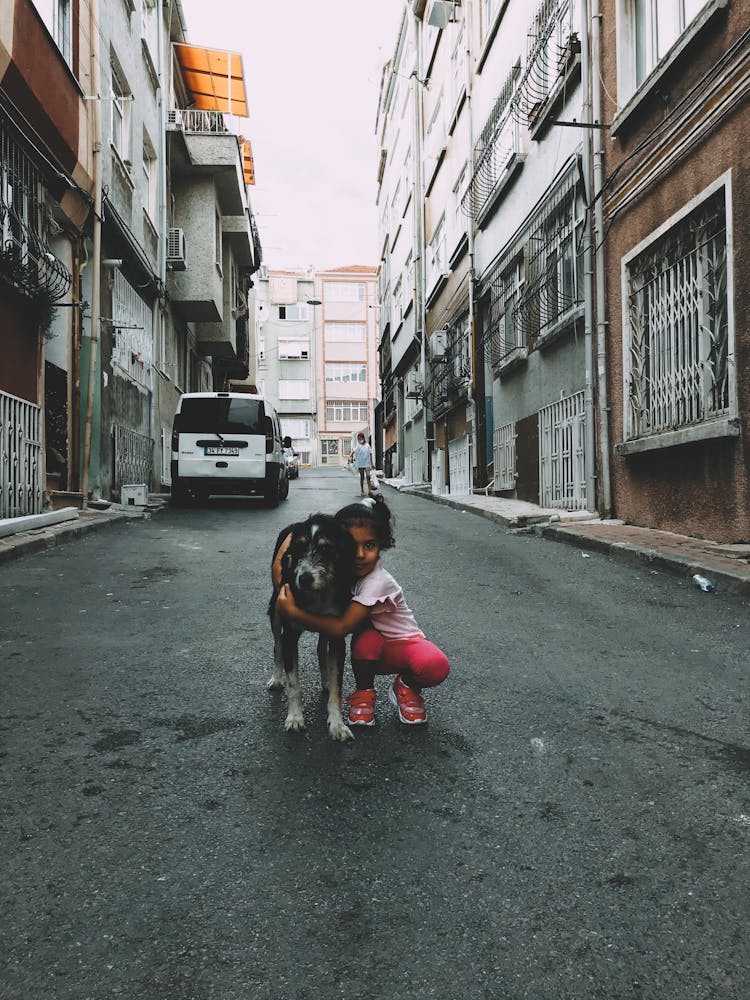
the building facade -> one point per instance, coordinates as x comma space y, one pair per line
128, 242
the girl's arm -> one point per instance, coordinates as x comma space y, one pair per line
276, 568
354, 616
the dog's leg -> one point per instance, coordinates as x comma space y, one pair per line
277, 680
295, 720
331, 658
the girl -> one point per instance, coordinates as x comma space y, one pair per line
391, 642
362, 458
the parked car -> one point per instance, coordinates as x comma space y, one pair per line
291, 457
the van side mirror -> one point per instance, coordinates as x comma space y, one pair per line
268, 424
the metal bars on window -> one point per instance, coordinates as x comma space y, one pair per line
504, 457
562, 459
132, 348
20, 457
26, 260
551, 46
678, 317
494, 150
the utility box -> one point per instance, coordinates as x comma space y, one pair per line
134, 494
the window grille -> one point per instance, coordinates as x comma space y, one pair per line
551, 43
504, 457
346, 373
498, 143
166, 456
678, 324
562, 460
28, 262
132, 347
459, 466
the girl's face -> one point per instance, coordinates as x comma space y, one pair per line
360, 439
367, 549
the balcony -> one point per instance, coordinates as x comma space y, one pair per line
201, 144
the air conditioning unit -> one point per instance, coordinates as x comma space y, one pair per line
438, 341
174, 118
441, 13
176, 249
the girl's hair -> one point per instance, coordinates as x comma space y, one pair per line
369, 512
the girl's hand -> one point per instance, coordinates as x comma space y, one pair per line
285, 602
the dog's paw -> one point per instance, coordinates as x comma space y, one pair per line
294, 724
275, 685
340, 731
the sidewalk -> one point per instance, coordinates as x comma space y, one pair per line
48, 535
727, 566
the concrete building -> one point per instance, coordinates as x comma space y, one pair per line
285, 351
128, 241
346, 359
46, 196
676, 213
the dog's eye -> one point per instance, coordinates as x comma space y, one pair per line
322, 543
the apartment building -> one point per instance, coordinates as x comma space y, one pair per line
346, 359
286, 349
46, 194
128, 241
676, 217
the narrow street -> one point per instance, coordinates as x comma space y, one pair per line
573, 822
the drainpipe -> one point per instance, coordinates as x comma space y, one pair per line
605, 486
96, 256
419, 303
479, 418
588, 277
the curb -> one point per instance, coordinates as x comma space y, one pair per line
40, 539
526, 521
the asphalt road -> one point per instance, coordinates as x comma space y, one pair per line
573, 822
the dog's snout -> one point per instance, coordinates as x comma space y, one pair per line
306, 579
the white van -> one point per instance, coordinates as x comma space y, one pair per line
227, 442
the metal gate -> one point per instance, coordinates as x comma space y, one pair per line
504, 457
562, 457
20, 457
134, 456
459, 466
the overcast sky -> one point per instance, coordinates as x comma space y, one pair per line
312, 72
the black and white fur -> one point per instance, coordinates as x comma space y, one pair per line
319, 567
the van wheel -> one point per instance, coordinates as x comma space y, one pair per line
272, 491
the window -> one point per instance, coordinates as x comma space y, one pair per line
506, 329
457, 217
657, 24
341, 332
436, 256
346, 373
120, 116
677, 324
295, 349
58, 18
339, 412
297, 310
294, 388
132, 338
458, 64
496, 150
150, 178
344, 291
397, 304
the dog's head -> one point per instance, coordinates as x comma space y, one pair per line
319, 563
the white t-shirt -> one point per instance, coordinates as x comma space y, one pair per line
363, 456
389, 614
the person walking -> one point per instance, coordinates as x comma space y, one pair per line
361, 455
387, 639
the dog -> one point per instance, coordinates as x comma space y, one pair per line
318, 565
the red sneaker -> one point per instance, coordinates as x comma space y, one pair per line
409, 702
362, 707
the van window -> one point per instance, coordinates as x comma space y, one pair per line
225, 416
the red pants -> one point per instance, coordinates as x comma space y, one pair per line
419, 662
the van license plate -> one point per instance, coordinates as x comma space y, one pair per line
221, 451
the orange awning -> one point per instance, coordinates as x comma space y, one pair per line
248, 166
214, 78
